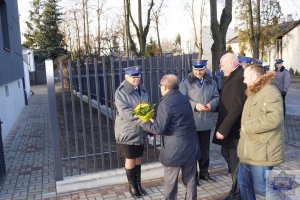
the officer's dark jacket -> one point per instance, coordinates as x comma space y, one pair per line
231, 105
174, 120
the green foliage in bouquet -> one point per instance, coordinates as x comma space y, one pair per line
144, 111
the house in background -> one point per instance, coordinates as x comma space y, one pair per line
12, 82
286, 47
235, 46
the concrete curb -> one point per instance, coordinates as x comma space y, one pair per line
106, 178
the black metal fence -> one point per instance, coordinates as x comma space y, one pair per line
85, 110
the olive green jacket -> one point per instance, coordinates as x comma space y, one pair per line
261, 140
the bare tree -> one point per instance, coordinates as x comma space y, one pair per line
177, 44
219, 30
141, 31
77, 30
156, 13
99, 13
131, 46
197, 41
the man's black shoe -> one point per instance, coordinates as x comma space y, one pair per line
208, 179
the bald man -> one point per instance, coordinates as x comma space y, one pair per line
231, 104
180, 149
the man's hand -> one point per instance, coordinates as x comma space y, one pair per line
219, 136
207, 107
200, 107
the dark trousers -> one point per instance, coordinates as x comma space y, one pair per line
204, 141
188, 179
230, 156
283, 100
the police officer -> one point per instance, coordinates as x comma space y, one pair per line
129, 135
283, 79
202, 91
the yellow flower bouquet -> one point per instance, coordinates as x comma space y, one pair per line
144, 112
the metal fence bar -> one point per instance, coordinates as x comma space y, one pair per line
74, 114
99, 112
157, 75
63, 94
90, 110
121, 80
53, 120
107, 114
82, 114
151, 77
113, 87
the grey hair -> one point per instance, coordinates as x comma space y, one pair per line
170, 81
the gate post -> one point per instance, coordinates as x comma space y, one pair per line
53, 120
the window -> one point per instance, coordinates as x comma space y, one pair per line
4, 25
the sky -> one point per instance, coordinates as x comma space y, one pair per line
174, 20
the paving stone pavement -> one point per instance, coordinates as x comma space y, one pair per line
30, 170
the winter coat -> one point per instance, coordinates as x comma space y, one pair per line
283, 79
204, 94
127, 130
231, 104
262, 127
174, 120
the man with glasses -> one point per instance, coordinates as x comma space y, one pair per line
180, 150
129, 135
202, 91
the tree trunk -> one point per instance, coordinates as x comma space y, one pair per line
219, 31
254, 31
140, 31
200, 48
126, 19
77, 36
87, 28
158, 37
84, 26
132, 46
257, 35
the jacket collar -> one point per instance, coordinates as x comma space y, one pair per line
130, 88
192, 78
264, 80
281, 69
234, 72
171, 92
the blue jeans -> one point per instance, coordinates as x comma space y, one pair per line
252, 179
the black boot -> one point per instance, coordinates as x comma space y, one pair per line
138, 180
133, 189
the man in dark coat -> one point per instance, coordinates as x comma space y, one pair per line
180, 149
228, 125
